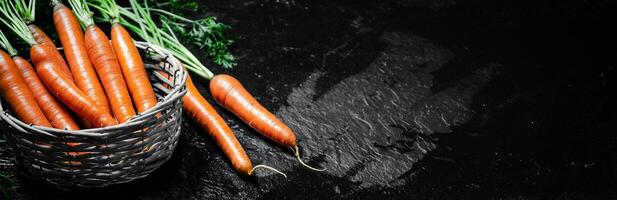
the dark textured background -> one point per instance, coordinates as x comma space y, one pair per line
406, 99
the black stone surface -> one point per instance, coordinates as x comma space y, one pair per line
405, 99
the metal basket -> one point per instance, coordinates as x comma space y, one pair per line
109, 155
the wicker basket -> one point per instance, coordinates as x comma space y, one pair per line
110, 155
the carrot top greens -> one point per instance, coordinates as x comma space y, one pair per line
172, 31
204, 33
143, 25
176, 5
82, 12
16, 15
108, 8
6, 45
25, 10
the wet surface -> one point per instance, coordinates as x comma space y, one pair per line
406, 99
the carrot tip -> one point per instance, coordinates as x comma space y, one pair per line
297, 154
266, 167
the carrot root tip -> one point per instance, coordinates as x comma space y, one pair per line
297, 154
266, 167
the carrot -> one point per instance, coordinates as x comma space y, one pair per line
72, 38
204, 114
16, 92
42, 38
106, 64
57, 114
132, 68
229, 93
70, 94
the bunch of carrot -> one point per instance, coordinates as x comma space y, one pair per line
106, 83
101, 83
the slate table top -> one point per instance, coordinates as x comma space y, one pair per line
404, 99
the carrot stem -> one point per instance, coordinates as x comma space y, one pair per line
6, 45
82, 11
16, 21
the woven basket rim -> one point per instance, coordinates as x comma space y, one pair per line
94, 132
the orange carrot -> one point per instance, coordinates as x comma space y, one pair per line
72, 38
59, 84
230, 93
204, 114
17, 94
43, 39
53, 110
106, 64
132, 68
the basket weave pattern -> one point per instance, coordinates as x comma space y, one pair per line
109, 155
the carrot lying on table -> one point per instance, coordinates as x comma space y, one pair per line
230, 93
204, 114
